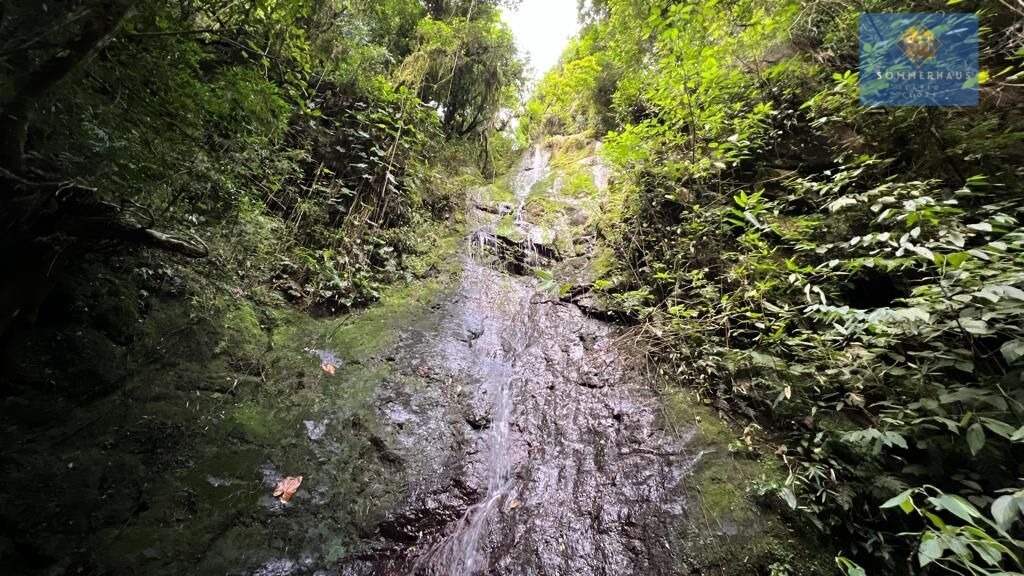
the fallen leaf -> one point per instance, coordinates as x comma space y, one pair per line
286, 488
515, 504
328, 367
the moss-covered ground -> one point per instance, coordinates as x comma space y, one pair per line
147, 438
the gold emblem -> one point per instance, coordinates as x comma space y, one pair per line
919, 44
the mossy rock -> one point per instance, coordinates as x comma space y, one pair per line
498, 192
573, 144
243, 339
358, 337
173, 329
731, 533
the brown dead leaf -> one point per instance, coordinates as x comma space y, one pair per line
286, 487
328, 367
515, 504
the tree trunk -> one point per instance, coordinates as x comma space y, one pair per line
30, 212
36, 84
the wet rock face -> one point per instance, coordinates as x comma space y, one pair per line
520, 249
556, 466
539, 452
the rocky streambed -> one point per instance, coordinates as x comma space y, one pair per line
481, 423
550, 459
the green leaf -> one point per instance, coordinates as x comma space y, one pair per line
989, 550
849, 567
1004, 510
903, 500
958, 506
788, 496
1012, 351
975, 326
543, 274
957, 258
930, 549
998, 427
975, 438
894, 439
935, 520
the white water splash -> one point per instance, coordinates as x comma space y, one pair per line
460, 554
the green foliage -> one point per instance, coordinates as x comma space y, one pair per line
283, 134
978, 546
468, 67
574, 97
549, 285
850, 278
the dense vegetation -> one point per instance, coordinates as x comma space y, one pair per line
297, 144
846, 282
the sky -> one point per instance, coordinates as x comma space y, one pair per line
542, 29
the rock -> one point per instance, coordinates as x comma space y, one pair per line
590, 380
315, 430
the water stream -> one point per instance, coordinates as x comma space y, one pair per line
470, 424
563, 468
461, 550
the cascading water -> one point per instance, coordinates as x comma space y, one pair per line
536, 449
510, 224
531, 170
459, 554
529, 176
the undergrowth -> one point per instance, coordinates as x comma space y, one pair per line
847, 280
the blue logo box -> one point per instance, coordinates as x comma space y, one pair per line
919, 59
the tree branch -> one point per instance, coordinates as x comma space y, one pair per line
178, 32
16, 112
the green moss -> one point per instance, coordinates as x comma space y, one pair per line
174, 329
605, 261
507, 228
573, 146
358, 337
500, 191
580, 184
435, 254
243, 338
542, 209
543, 186
261, 424
730, 533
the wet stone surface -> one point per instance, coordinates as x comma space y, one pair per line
557, 458
480, 427
534, 449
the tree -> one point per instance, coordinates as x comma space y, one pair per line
469, 69
30, 72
